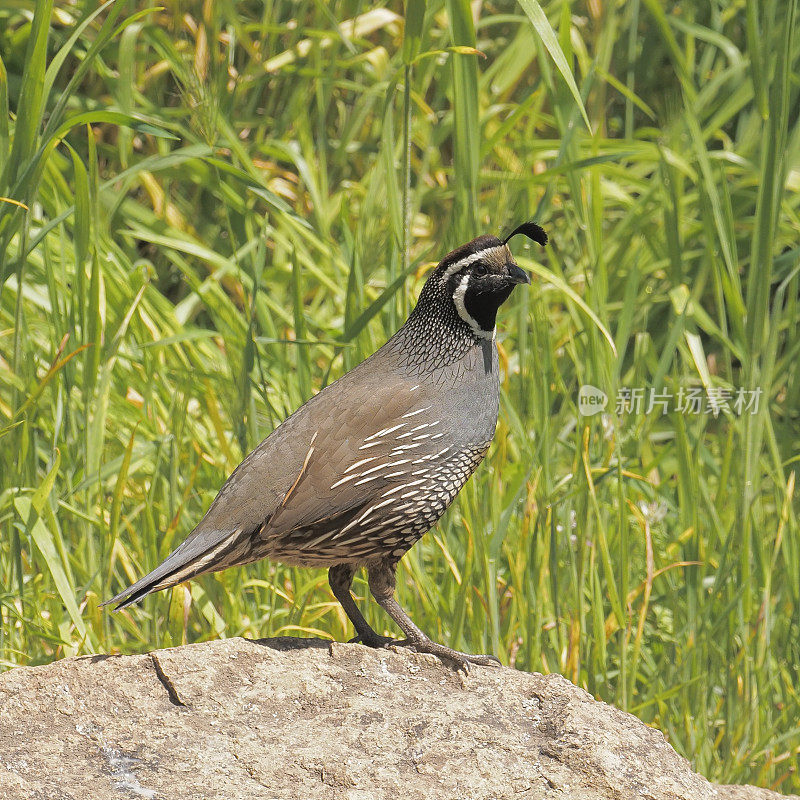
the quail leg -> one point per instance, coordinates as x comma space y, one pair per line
382, 584
340, 579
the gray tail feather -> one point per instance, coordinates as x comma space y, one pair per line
132, 594
198, 554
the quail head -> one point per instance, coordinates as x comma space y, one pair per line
360, 472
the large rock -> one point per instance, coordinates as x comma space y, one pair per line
290, 718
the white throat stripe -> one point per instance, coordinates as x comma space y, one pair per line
458, 299
467, 260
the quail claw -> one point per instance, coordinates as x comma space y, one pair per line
374, 640
462, 660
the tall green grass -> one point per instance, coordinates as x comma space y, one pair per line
211, 210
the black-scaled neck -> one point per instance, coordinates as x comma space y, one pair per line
435, 335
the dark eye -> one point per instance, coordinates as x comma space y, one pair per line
479, 270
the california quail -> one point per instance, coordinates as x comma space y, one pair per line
361, 471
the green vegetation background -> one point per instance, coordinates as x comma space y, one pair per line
211, 210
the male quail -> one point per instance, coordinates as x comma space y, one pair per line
361, 471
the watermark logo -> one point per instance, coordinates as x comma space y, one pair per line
591, 400
686, 400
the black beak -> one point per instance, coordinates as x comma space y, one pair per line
517, 275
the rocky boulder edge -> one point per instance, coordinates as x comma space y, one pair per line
280, 719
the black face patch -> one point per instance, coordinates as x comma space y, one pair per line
482, 286
482, 299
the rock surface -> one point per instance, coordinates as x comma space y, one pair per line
281, 719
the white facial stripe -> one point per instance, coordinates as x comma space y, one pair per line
467, 260
458, 299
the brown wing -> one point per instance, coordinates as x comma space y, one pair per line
350, 458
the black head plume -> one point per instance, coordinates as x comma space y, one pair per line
531, 230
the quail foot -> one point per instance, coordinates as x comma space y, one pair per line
366, 467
